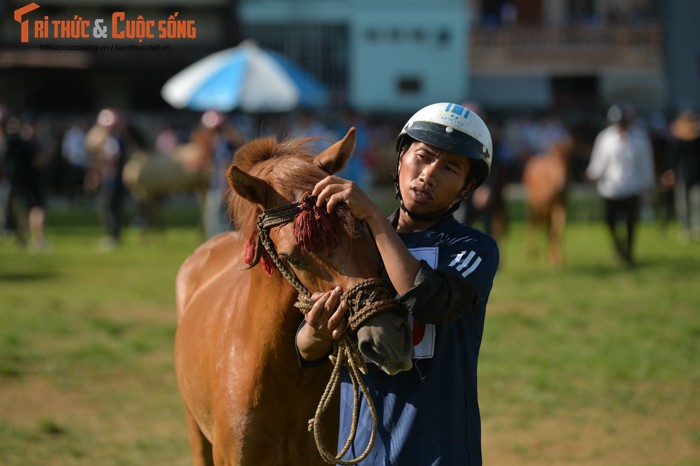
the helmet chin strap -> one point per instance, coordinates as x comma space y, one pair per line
430, 217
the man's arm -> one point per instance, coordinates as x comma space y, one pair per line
400, 264
439, 297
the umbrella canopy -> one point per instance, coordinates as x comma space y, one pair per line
245, 77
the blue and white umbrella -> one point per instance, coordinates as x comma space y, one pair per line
247, 78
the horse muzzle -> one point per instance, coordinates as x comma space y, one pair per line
380, 325
386, 341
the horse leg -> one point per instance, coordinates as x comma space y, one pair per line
531, 233
202, 451
556, 233
18, 217
157, 213
151, 211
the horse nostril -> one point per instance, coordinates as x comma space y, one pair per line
391, 354
368, 350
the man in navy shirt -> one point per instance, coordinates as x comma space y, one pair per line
442, 272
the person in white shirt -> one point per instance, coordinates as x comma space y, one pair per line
77, 160
622, 165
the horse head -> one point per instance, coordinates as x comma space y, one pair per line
312, 249
562, 147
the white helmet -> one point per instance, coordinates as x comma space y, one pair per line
453, 128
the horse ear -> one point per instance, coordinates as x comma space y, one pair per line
247, 186
333, 159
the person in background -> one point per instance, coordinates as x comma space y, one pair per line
486, 206
166, 139
682, 174
359, 167
622, 165
443, 272
26, 161
75, 155
107, 143
306, 124
225, 140
4, 181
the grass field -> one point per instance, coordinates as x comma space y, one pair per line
590, 364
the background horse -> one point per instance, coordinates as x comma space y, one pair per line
545, 180
151, 176
247, 401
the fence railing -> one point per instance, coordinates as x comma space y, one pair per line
566, 48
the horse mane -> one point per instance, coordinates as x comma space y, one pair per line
285, 165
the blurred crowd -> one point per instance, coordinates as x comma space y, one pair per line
112, 158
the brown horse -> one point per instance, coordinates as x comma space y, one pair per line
247, 401
545, 179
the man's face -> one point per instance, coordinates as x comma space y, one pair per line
430, 179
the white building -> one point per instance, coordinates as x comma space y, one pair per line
377, 55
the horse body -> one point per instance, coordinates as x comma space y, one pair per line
238, 373
545, 181
247, 401
151, 176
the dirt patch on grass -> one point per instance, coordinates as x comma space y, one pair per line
29, 402
111, 421
593, 439
35, 404
103, 394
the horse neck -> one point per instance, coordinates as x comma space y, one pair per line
269, 327
271, 308
560, 155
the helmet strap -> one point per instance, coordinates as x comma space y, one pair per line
434, 216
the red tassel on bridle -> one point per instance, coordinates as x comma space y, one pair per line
249, 250
266, 263
314, 228
253, 247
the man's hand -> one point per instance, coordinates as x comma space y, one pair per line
325, 322
327, 315
332, 191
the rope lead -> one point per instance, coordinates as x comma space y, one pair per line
373, 291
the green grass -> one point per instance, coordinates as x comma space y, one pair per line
590, 364
594, 347
86, 374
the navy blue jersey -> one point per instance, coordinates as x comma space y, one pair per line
429, 415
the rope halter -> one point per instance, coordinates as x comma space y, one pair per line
365, 299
